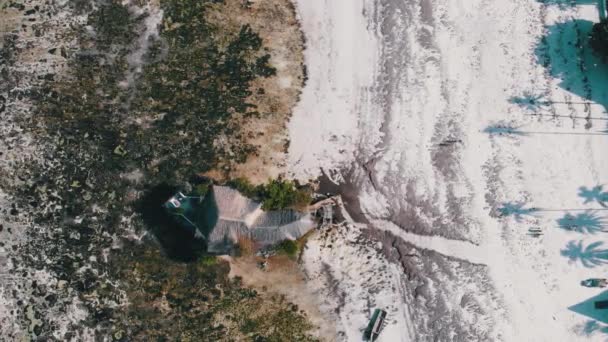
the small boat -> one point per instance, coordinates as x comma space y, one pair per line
595, 282
374, 326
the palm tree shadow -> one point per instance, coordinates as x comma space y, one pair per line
530, 101
503, 129
595, 194
566, 54
568, 3
587, 222
592, 326
516, 210
591, 256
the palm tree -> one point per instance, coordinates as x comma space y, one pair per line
590, 256
587, 222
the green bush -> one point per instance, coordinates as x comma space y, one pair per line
281, 194
201, 189
249, 326
287, 247
208, 260
244, 186
275, 195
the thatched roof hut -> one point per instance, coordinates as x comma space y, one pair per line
225, 216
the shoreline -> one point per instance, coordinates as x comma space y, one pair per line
449, 72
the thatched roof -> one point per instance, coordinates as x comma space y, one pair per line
232, 205
238, 216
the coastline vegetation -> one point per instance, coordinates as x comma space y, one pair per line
276, 194
116, 128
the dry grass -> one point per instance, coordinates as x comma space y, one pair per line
283, 277
275, 22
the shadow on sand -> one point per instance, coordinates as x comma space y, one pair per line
591, 256
586, 222
503, 129
179, 243
516, 210
595, 194
568, 3
530, 101
591, 327
587, 308
566, 54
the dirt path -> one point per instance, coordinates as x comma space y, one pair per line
283, 276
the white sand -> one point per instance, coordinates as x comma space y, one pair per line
340, 52
480, 54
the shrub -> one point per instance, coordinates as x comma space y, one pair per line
249, 326
276, 194
244, 186
201, 189
281, 194
208, 260
287, 247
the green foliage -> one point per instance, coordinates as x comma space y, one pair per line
188, 88
197, 297
287, 247
208, 260
599, 39
281, 194
192, 80
276, 194
201, 189
243, 186
248, 326
113, 24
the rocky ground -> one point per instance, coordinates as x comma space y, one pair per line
106, 107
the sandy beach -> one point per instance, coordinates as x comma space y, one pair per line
425, 107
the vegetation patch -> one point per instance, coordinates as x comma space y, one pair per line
198, 301
276, 194
118, 134
288, 247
